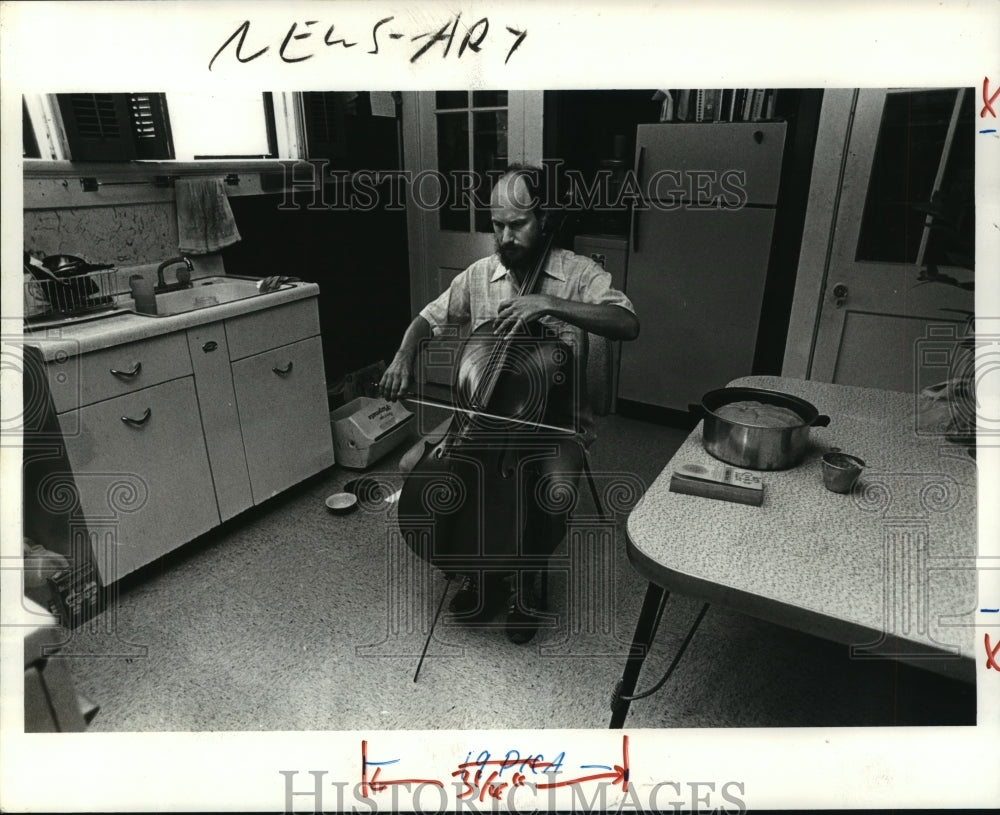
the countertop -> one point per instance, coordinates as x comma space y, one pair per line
119, 327
894, 561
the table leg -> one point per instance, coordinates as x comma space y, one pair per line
645, 630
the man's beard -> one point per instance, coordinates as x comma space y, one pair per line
517, 258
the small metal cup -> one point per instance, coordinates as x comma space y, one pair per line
841, 471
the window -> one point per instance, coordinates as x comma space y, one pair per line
471, 135
920, 207
110, 126
216, 127
351, 129
323, 117
160, 126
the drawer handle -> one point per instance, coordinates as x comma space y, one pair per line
128, 374
138, 422
209, 346
283, 371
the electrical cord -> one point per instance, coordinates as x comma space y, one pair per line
618, 697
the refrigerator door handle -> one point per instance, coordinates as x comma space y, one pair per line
639, 156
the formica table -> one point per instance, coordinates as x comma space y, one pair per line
888, 569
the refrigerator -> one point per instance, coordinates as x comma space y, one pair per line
698, 257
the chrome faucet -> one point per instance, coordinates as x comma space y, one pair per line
183, 278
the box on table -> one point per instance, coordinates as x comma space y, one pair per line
365, 429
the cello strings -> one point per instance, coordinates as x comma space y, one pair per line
498, 354
483, 414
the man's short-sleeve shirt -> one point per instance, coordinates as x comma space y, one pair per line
475, 295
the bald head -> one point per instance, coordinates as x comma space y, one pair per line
512, 191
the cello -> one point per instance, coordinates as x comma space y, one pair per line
462, 507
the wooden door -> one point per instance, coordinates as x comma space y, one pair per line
905, 211
454, 140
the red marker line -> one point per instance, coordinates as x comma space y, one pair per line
617, 775
625, 766
620, 774
364, 768
379, 786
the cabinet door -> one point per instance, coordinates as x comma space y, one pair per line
697, 283
220, 421
142, 474
281, 396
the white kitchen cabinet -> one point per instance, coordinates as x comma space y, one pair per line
172, 426
220, 419
283, 416
140, 465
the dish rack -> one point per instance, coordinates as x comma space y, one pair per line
58, 297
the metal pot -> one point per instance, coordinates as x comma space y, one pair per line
67, 283
71, 266
752, 446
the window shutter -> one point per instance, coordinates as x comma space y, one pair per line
324, 125
115, 126
150, 126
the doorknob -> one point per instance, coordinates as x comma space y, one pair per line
840, 294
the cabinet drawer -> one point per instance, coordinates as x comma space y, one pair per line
89, 378
144, 485
259, 331
281, 395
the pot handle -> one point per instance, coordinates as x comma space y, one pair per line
699, 411
820, 421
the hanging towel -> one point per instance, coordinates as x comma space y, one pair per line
204, 219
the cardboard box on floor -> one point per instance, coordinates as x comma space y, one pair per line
366, 429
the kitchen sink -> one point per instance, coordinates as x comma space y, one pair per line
205, 293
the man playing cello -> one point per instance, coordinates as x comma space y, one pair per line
573, 297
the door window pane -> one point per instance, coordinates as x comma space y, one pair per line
489, 99
453, 157
951, 237
483, 151
490, 145
911, 139
451, 100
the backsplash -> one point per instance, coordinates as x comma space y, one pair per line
134, 237
127, 234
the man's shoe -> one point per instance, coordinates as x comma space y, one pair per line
480, 595
522, 619
520, 627
467, 600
